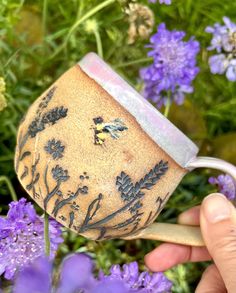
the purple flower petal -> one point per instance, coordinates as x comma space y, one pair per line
141, 283
231, 71
116, 272
229, 24
77, 273
130, 273
35, 278
226, 185
18, 210
167, 2
111, 286
218, 63
157, 282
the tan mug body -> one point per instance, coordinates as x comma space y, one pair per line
85, 160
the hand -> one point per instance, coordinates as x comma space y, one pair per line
217, 219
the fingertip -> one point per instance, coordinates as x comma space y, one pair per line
166, 256
190, 217
216, 208
158, 259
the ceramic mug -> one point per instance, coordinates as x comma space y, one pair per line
102, 160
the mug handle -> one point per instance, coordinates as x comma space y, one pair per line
183, 234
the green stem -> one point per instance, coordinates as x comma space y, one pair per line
13, 128
12, 57
168, 104
99, 43
89, 14
7, 158
81, 20
45, 9
143, 60
46, 234
6, 180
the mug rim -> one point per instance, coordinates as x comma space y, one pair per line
172, 140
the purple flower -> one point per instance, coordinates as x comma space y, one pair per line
22, 237
144, 282
34, 278
224, 42
173, 68
226, 185
77, 276
167, 2
218, 63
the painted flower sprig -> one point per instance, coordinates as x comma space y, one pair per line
224, 43
174, 68
22, 237
77, 276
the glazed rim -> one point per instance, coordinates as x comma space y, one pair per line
167, 136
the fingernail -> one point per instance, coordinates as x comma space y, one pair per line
216, 208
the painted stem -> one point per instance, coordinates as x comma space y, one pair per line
97, 224
46, 234
22, 142
6, 180
64, 202
51, 194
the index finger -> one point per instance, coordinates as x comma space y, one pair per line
168, 255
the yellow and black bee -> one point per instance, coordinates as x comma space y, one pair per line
102, 130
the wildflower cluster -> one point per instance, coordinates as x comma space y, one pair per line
224, 42
138, 282
22, 237
173, 69
37, 278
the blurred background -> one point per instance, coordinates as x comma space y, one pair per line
39, 40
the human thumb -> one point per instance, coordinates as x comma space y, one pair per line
218, 226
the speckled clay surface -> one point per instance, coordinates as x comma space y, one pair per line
157, 126
86, 160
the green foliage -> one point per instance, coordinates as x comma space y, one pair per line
39, 40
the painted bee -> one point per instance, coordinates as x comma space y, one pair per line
103, 130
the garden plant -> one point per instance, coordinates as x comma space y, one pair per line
181, 56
